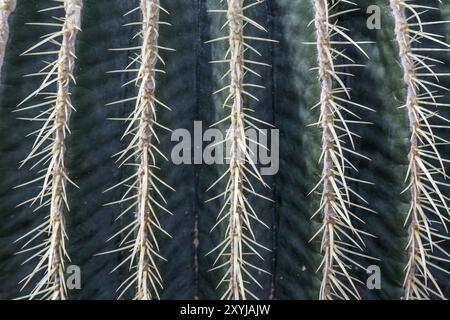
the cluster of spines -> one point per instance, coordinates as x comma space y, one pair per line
6, 8
143, 197
49, 151
428, 212
341, 240
240, 241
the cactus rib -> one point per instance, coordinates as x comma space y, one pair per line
51, 149
240, 240
341, 240
6, 8
143, 195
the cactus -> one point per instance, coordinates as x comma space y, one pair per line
356, 190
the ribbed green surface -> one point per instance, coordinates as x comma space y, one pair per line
291, 90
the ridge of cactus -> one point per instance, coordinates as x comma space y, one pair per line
342, 241
143, 197
237, 212
49, 151
427, 217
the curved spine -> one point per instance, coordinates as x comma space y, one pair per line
143, 195
425, 220
51, 149
341, 240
